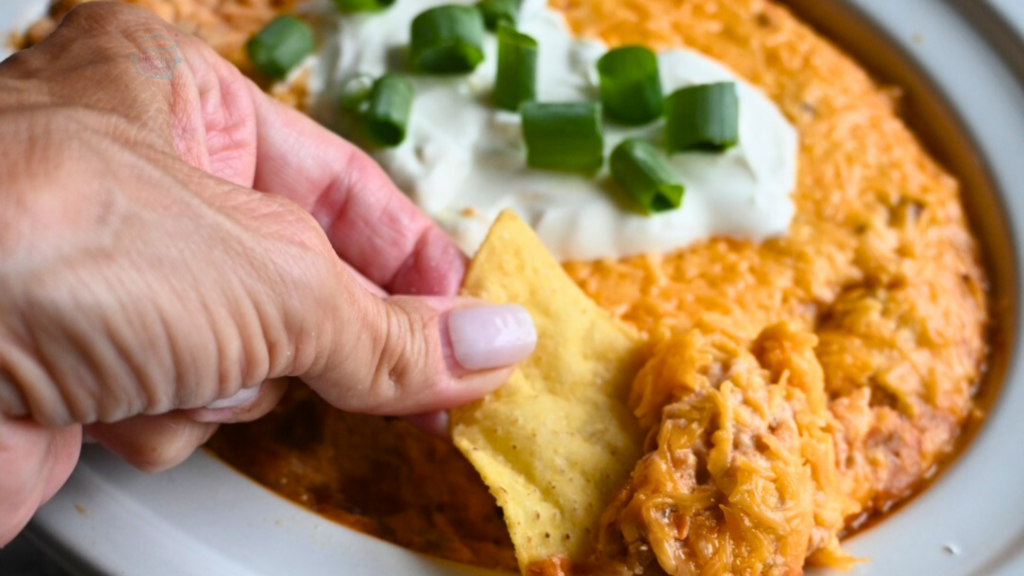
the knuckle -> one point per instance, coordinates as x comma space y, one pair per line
305, 257
386, 380
101, 16
302, 229
406, 365
108, 33
307, 272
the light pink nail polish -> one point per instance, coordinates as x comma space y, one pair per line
488, 337
237, 400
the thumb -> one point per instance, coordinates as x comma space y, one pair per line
407, 355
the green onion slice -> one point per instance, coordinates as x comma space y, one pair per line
630, 85
563, 136
357, 91
705, 117
390, 107
282, 44
498, 12
517, 69
642, 171
362, 5
447, 40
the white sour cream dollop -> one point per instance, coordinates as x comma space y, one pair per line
463, 160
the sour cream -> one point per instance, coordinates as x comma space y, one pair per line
463, 160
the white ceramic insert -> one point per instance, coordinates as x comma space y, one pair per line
205, 519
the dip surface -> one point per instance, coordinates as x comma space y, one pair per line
464, 161
878, 266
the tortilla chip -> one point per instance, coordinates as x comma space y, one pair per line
558, 440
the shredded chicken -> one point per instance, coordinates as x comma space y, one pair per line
741, 478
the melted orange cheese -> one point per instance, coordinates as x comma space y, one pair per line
763, 442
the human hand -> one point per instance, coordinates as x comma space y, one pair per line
167, 244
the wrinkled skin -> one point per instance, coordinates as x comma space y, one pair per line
167, 243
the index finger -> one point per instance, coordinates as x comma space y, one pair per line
370, 222
253, 140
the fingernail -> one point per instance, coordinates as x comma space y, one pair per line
487, 337
237, 400
433, 423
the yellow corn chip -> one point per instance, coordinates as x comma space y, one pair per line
556, 441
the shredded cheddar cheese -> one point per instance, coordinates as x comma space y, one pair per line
879, 262
741, 478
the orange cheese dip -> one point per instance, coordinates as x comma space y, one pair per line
879, 262
879, 281
797, 386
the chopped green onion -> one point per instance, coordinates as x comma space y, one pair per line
389, 110
705, 117
356, 91
362, 5
447, 39
517, 69
498, 12
646, 176
630, 85
563, 136
281, 45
